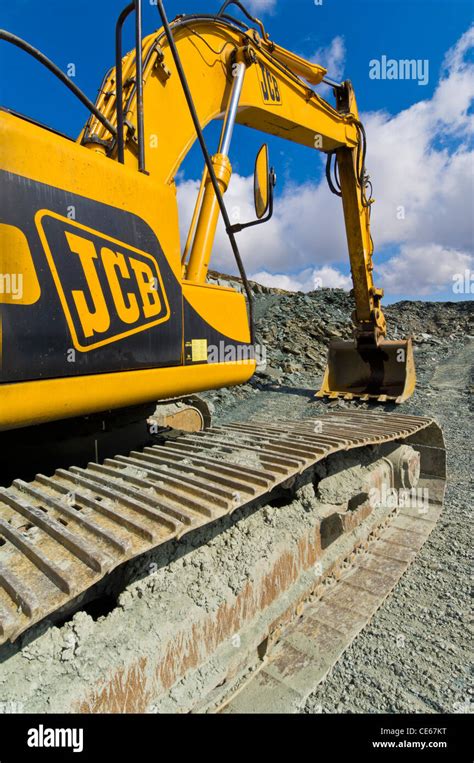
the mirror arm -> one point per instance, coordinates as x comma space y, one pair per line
241, 226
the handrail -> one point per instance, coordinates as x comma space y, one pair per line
136, 6
119, 79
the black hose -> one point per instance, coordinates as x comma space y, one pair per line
332, 184
362, 173
207, 159
244, 10
362, 177
23, 45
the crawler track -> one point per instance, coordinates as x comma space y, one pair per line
314, 641
60, 535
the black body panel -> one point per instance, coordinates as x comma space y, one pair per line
38, 342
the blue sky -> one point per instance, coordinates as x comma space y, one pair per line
339, 32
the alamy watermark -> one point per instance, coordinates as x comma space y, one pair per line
12, 284
416, 69
400, 498
42, 736
237, 353
463, 283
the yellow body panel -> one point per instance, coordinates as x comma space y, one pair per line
37, 402
225, 309
21, 264
67, 165
64, 164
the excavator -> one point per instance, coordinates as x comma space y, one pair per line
107, 320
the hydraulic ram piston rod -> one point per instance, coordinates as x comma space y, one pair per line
209, 213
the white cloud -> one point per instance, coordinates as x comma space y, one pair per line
423, 186
330, 278
454, 59
306, 280
297, 236
437, 239
421, 164
418, 271
332, 57
278, 280
260, 6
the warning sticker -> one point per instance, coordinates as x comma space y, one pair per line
196, 350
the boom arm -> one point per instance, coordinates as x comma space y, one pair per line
273, 98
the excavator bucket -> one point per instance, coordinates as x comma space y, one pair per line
385, 372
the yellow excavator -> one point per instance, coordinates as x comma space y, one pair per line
103, 313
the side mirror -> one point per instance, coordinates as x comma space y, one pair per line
264, 181
261, 182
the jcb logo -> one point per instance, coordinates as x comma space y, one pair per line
108, 289
269, 85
